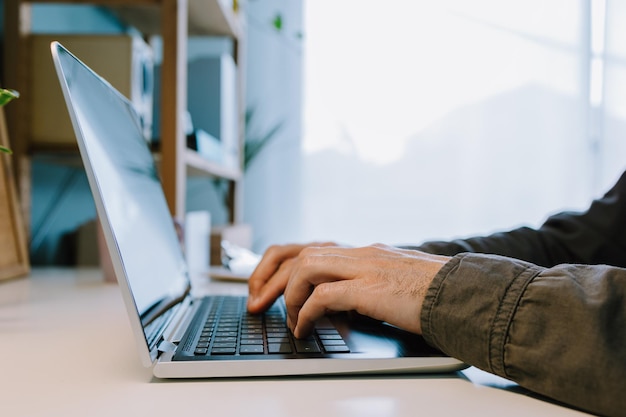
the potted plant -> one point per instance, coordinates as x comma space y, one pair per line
13, 243
6, 96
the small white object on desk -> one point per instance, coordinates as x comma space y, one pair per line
225, 274
197, 237
239, 263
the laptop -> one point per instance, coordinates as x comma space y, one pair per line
179, 334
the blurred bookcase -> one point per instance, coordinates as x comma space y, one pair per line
174, 21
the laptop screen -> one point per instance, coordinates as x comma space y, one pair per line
126, 187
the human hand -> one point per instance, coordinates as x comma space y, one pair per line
378, 281
269, 279
382, 282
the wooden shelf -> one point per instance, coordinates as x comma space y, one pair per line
196, 164
174, 20
199, 166
206, 17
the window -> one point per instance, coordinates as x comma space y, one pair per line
427, 120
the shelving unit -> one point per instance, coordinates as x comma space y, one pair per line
174, 21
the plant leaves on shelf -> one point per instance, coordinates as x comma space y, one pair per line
277, 22
255, 141
7, 95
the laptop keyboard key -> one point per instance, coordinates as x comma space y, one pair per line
278, 339
251, 341
330, 337
278, 334
223, 351
306, 346
226, 339
251, 349
224, 345
332, 342
336, 348
279, 348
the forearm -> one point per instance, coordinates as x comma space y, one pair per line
558, 331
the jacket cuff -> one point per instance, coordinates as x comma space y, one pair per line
469, 306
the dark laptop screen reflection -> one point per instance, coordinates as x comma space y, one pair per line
151, 255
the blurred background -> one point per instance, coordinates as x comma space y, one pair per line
395, 122
441, 119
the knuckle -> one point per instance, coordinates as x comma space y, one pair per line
323, 290
379, 246
329, 292
273, 250
307, 258
284, 265
306, 252
291, 305
306, 262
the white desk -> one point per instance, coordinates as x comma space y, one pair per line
66, 350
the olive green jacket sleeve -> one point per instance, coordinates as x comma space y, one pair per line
560, 332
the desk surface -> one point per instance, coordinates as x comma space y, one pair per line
66, 350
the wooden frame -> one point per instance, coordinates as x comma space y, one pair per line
13, 248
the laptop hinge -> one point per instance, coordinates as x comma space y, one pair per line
166, 346
177, 328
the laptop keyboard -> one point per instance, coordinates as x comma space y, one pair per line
229, 331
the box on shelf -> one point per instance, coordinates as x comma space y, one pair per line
87, 251
126, 61
208, 146
91, 249
212, 103
239, 234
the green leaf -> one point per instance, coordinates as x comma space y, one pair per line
255, 142
278, 22
7, 95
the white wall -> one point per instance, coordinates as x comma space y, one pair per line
612, 109
440, 119
274, 92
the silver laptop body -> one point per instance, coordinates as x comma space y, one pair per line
150, 267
